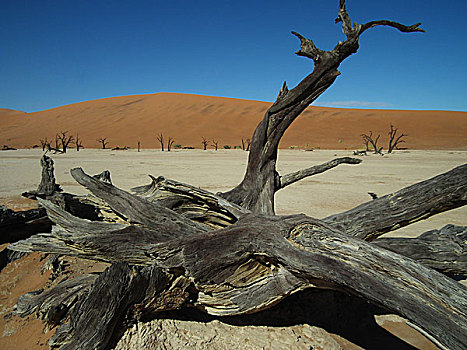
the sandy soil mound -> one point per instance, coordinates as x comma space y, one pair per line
126, 120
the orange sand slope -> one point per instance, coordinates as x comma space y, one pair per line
187, 118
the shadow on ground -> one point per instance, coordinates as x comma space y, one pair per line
345, 315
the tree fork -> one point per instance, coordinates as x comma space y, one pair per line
256, 191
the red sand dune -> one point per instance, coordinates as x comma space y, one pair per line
187, 118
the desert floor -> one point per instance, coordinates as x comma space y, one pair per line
334, 191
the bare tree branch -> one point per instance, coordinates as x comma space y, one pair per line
444, 250
291, 178
393, 140
344, 17
205, 143
403, 28
103, 141
411, 204
160, 138
170, 143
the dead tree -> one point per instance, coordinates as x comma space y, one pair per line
78, 143
215, 144
45, 144
170, 143
160, 138
205, 143
103, 141
139, 146
246, 144
368, 139
394, 140
366, 142
64, 139
55, 149
176, 246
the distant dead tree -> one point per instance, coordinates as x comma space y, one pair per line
57, 144
215, 144
62, 141
368, 140
103, 141
205, 143
170, 142
78, 143
394, 140
139, 146
246, 144
65, 140
160, 138
45, 144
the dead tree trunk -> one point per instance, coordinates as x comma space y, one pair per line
103, 141
368, 139
205, 143
160, 138
255, 261
65, 140
256, 191
246, 144
393, 139
47, 186
78, 143
45, 144
177, 246
247, 266
170, 143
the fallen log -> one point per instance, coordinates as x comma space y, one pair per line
259, 260
444, 250
411, 204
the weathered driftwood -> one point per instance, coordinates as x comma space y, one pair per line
47, 186
184, 198
192, 202
137, 210
444, 250
411, 204
291, 178
257, 261
52, 306
227, 254
116, 289
203, 206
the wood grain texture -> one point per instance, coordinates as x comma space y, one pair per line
444, 250
194, 203
411, 204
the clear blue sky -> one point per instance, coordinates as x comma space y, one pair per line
64, 51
